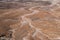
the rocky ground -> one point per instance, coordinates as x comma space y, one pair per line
30, 23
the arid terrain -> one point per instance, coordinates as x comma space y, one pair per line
30, 22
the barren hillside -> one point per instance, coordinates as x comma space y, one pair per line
37, 20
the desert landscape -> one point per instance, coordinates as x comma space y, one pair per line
30, 20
